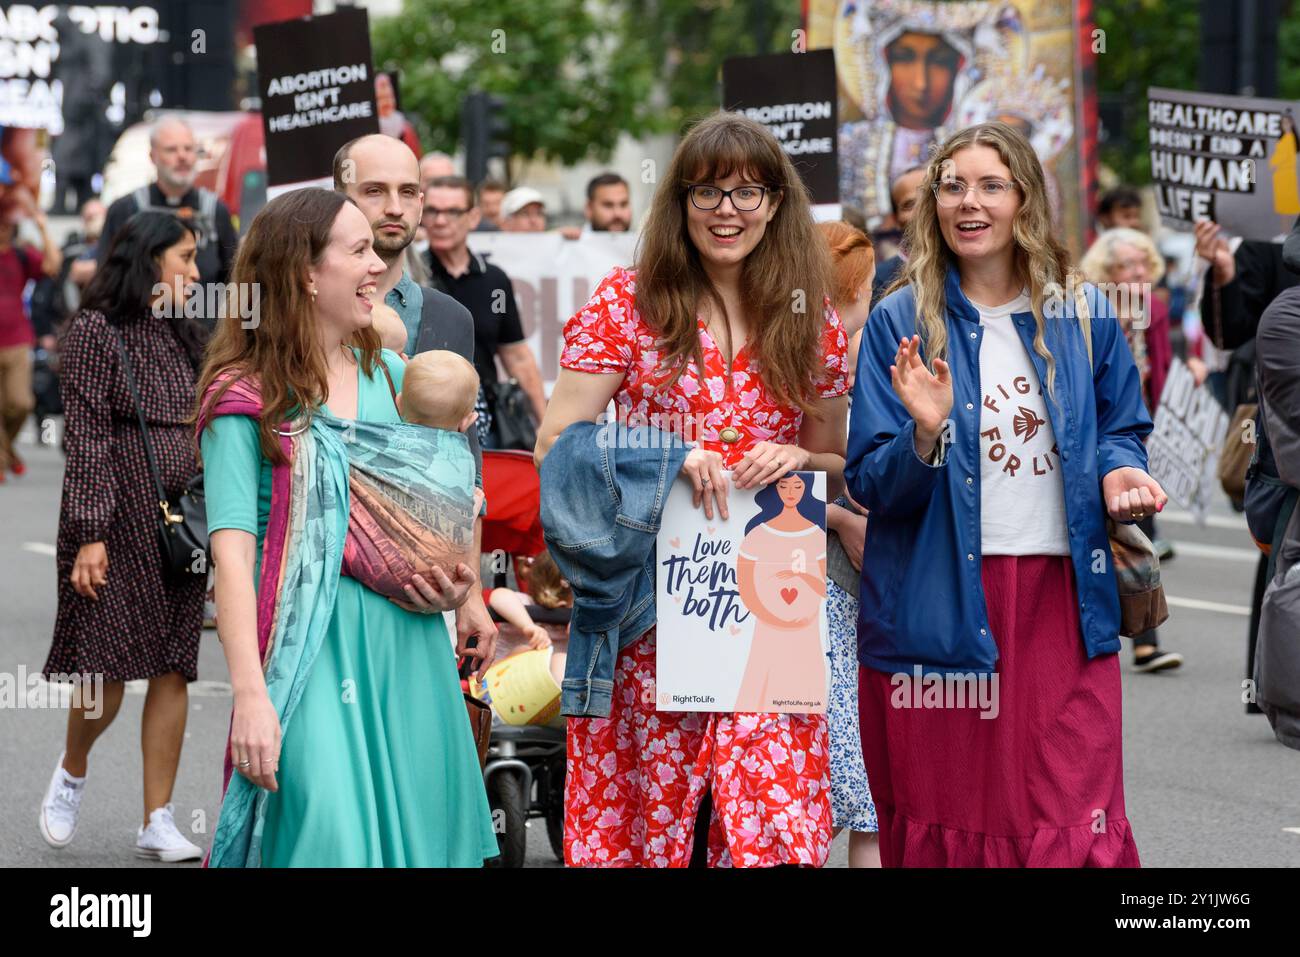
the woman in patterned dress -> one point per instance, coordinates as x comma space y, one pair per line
854, 263
119, 618
718, 334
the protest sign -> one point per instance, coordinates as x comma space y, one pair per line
47, 47
911, 73
1183, 449
553, 278
1231, 159
318, 91
794, 96
741, 601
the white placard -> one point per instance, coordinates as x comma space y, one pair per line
741, 602
1183, 448
553, 278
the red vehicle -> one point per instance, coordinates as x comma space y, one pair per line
241, 172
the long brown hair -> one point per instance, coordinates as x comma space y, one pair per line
281, 349
1041, 262
783, 283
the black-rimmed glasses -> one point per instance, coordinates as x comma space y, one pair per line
433, 212
745, 199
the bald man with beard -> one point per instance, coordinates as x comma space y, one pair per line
382, 176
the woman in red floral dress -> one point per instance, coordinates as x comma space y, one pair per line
724, 334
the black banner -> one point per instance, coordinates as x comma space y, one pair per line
794, 95
318, 91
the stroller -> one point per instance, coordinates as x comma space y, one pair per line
524, 774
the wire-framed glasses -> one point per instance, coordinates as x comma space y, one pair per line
991, 192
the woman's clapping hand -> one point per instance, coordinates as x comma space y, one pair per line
926, 395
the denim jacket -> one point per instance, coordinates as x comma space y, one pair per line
922, 597
603, 493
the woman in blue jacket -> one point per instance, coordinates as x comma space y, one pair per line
995, 425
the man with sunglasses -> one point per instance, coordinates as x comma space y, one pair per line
450, 214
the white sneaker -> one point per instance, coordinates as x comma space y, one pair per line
59, 809
161, 841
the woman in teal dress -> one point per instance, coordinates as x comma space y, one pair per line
349, 730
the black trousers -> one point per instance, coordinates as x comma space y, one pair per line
1256, 603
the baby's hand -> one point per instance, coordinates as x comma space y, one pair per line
537, 637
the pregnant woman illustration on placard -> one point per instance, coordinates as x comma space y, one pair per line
781, 572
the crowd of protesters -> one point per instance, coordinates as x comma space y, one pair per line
944, 556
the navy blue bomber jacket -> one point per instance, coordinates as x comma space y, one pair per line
922, 598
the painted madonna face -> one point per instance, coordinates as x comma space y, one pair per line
922, 72
790, 490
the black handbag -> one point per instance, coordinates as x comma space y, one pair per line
512, 419
183, 526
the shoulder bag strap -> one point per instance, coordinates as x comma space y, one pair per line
144, 429
1083, 315
207, 217
389, 376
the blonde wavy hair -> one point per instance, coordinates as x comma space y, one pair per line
1041, 262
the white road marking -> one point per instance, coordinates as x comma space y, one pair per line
197, 689
40, 548
1179, 517
1226, 553
200, 689
1292, 830
1199, 605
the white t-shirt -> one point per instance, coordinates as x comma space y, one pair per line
1022, 497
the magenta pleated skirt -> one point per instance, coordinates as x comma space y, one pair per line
1039, 785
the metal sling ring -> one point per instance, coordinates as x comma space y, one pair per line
295, 431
